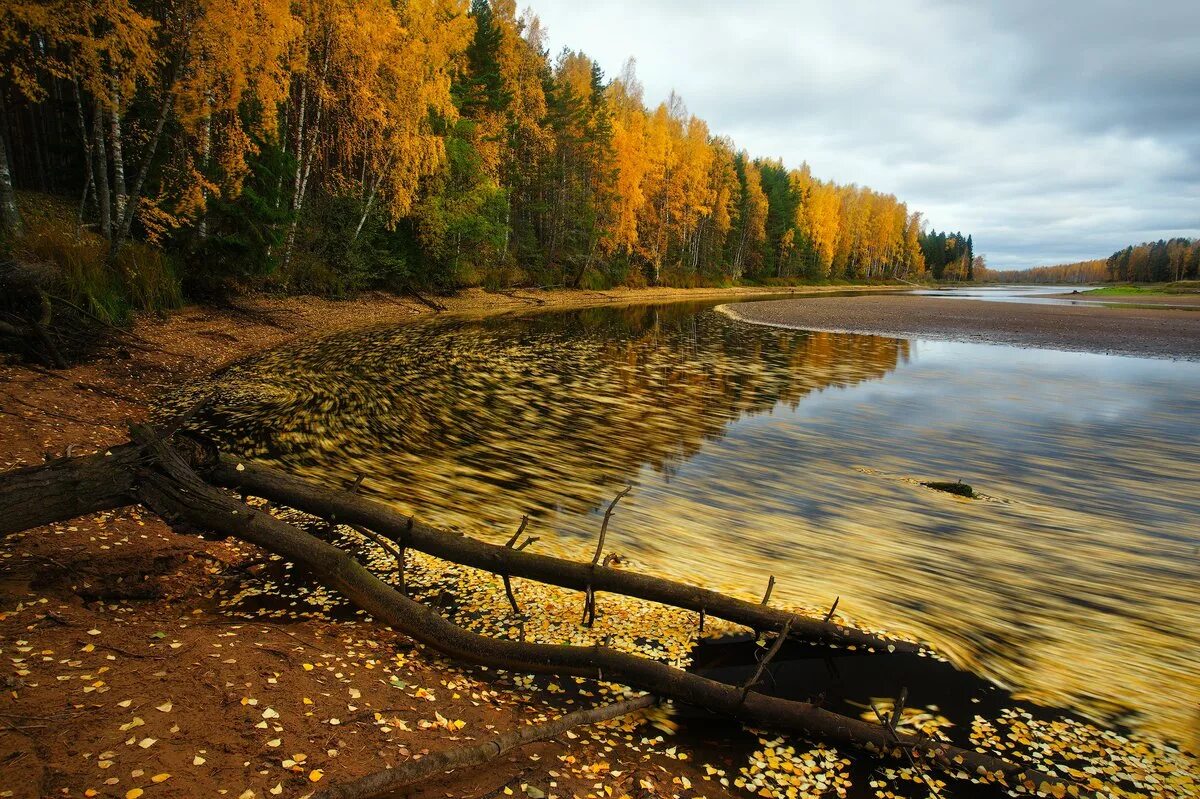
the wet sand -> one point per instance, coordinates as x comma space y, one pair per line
1113, 329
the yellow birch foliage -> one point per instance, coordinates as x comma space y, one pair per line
237, 50
382, 73
629, 162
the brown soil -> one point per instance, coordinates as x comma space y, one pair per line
119, 666
1116, 329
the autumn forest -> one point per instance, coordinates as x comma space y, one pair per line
327, 146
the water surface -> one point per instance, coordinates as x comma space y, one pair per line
756, 451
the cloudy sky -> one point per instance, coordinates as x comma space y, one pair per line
1052, 131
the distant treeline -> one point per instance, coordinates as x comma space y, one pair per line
331, 145
1152, 262
1080, 272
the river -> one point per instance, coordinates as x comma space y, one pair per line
755, 451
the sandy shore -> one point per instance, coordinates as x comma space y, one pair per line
1117, 329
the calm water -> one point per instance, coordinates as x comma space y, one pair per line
756, 451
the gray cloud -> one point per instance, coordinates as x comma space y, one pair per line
1051, 131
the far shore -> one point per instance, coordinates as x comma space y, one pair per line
1118, 328
1191, 300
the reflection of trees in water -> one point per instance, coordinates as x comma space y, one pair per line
475, 421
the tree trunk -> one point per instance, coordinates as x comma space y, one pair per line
118, 152
126, 221
36, 136
67, 488
344, 506
206, 157
10, 215
90, 180
304, 156
169, 487
161, 478
100, 164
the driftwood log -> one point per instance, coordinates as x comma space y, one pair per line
165, 476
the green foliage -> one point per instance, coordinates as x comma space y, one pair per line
431, 149
461, 221
245, 233
482, 87
1157, 262
959, 489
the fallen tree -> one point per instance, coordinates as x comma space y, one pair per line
74, 487
408, 532
165, 475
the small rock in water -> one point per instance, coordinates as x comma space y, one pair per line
959, 489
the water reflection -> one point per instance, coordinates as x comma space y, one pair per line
758, 451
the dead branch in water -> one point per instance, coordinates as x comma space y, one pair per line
319, 500
385, 782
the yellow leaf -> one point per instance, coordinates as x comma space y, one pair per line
160, 777
133, 793
316, 774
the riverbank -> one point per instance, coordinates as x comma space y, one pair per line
127, 672
1190, 300
1115, 329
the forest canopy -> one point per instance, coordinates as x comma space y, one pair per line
333, 145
